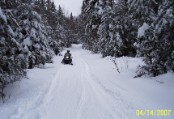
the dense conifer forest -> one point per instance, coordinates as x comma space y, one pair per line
136, 28
33, 31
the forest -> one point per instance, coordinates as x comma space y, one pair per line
32, 32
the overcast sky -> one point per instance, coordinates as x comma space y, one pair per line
73, 6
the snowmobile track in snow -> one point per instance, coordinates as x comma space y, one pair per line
90, 89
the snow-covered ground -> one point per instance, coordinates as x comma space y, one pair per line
90, 89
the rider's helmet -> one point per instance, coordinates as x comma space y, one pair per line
68, 51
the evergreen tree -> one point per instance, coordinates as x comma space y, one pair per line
129, 28
33, 35
92, 16
12, 59
108, 28
157, 43
61, 17
29, 32
107, 37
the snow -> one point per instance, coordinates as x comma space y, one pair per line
100, 9
94, 26
90, 89
10, 31
27, 42
142, 29
2, 15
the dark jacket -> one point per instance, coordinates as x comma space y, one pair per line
67, 54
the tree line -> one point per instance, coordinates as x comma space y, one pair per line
136, 28
31, 33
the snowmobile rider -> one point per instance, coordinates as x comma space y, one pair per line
69, 55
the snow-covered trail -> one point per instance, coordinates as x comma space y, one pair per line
90, 89
73, 94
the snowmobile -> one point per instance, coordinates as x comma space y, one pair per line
67, 60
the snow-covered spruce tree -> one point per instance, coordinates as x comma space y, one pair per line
60, 15
47, 10
124, 28
142, 14
12, 60
80, 29
33, 36
83, 21
55, 25
141, 11
62, 28
72, 28
108, 28
67, 31
91, 12
9, 4
109, 41
158, 43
